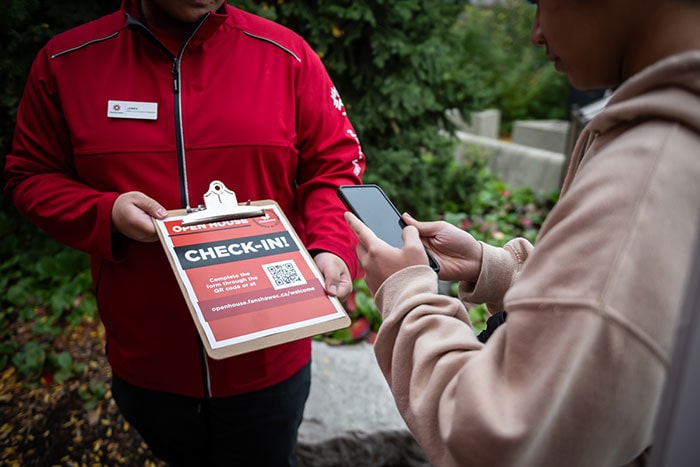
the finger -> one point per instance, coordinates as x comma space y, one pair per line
411, 237
331, 286
333, 270
344, 289
339, 285
150, 206
364, 234
360, 251
350, 220
408, 219
426, 229
353, 221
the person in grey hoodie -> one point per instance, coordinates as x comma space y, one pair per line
575, 374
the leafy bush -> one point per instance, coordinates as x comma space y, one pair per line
47, 288
497, 212
393, 63
503, 70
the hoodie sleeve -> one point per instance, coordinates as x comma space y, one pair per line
500, 267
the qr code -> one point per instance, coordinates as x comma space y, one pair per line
284, 274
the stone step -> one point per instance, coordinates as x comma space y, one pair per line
351, 418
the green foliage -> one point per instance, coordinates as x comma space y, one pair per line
35, 358
30, 360
497, 212
417, 176
92, 393
47, 288
478, 314
365, 305
359, 305
65, 366
393, 64
503, 69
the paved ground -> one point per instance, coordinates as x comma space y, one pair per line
350, 418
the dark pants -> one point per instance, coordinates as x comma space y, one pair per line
254, 429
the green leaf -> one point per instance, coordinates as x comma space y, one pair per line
29, 361
64, 360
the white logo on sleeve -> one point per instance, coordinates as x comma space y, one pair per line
357, 170
337, 101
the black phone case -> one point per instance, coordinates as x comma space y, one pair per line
349, 204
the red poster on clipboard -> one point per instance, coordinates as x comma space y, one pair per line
247, 279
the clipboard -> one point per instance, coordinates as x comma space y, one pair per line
248, 280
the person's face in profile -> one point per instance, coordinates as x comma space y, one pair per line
586, 39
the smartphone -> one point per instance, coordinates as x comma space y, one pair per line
373, 207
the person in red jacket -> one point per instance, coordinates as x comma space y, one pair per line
136, 113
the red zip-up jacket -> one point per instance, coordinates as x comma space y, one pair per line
244, 101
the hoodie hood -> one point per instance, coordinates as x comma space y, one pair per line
667, 90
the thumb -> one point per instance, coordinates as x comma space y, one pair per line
411, 237
149, 206
409, 220
425, 229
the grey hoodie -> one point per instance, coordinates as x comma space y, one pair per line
574, 377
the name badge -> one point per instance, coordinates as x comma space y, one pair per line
131, 109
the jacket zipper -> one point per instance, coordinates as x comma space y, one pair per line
180, 148
179, 136
182, 167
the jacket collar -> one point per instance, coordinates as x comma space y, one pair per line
210, 24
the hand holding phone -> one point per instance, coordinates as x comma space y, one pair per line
372, 206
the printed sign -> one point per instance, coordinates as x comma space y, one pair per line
247, 279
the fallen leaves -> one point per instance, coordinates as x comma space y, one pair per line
69, 423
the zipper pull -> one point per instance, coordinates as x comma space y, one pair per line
176, 85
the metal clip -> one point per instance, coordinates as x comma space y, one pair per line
220, 203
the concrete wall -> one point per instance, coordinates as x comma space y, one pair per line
550, 135
516, 164
485, 123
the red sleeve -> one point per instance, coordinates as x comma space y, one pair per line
40, 174
330, 155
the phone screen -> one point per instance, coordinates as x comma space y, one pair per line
371, 205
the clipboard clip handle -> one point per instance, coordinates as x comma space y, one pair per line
220, 204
